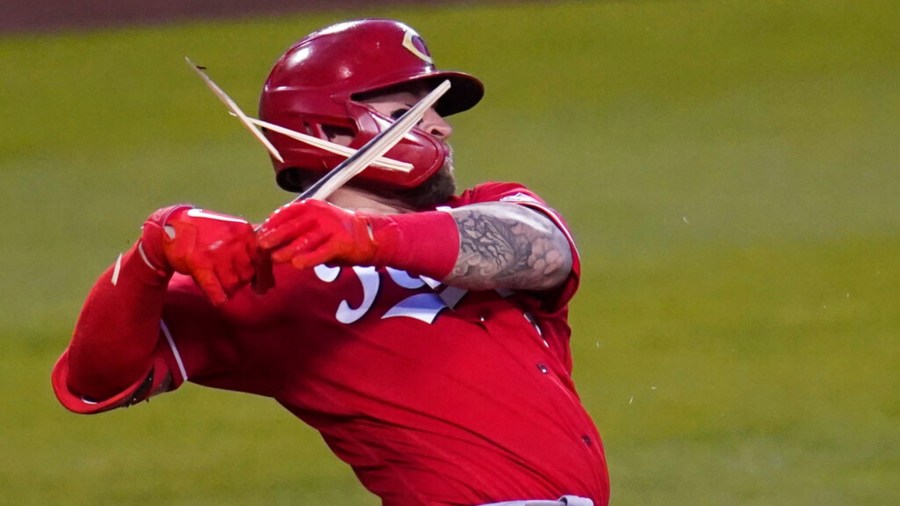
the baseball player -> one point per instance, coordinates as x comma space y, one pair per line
423, 332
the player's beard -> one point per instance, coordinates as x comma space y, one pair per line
436, 190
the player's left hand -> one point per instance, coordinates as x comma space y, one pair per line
217, 250
311, 232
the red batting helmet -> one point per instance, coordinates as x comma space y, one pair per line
316, 83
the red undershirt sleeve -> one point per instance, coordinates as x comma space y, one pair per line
110, 359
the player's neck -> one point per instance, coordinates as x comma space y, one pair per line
360, 200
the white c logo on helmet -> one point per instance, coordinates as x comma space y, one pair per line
414, 43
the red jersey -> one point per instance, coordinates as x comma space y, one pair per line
433, 394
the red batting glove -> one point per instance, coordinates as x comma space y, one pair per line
311, 232
217, 250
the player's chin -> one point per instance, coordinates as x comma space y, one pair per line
435, 191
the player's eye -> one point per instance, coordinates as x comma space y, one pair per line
395, 114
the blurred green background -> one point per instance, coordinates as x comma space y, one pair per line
729, 169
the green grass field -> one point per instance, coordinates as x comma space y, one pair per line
729, 168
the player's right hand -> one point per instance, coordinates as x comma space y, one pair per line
217, 250
311, 232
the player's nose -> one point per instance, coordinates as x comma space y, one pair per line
436, 125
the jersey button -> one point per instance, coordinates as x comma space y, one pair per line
586, 440
543, 368
483, 316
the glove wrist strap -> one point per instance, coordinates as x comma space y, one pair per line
153, 232
419, 243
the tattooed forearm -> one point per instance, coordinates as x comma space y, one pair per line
508, 246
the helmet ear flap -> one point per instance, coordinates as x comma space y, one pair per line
426, 153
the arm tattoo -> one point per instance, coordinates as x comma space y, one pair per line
508, 246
